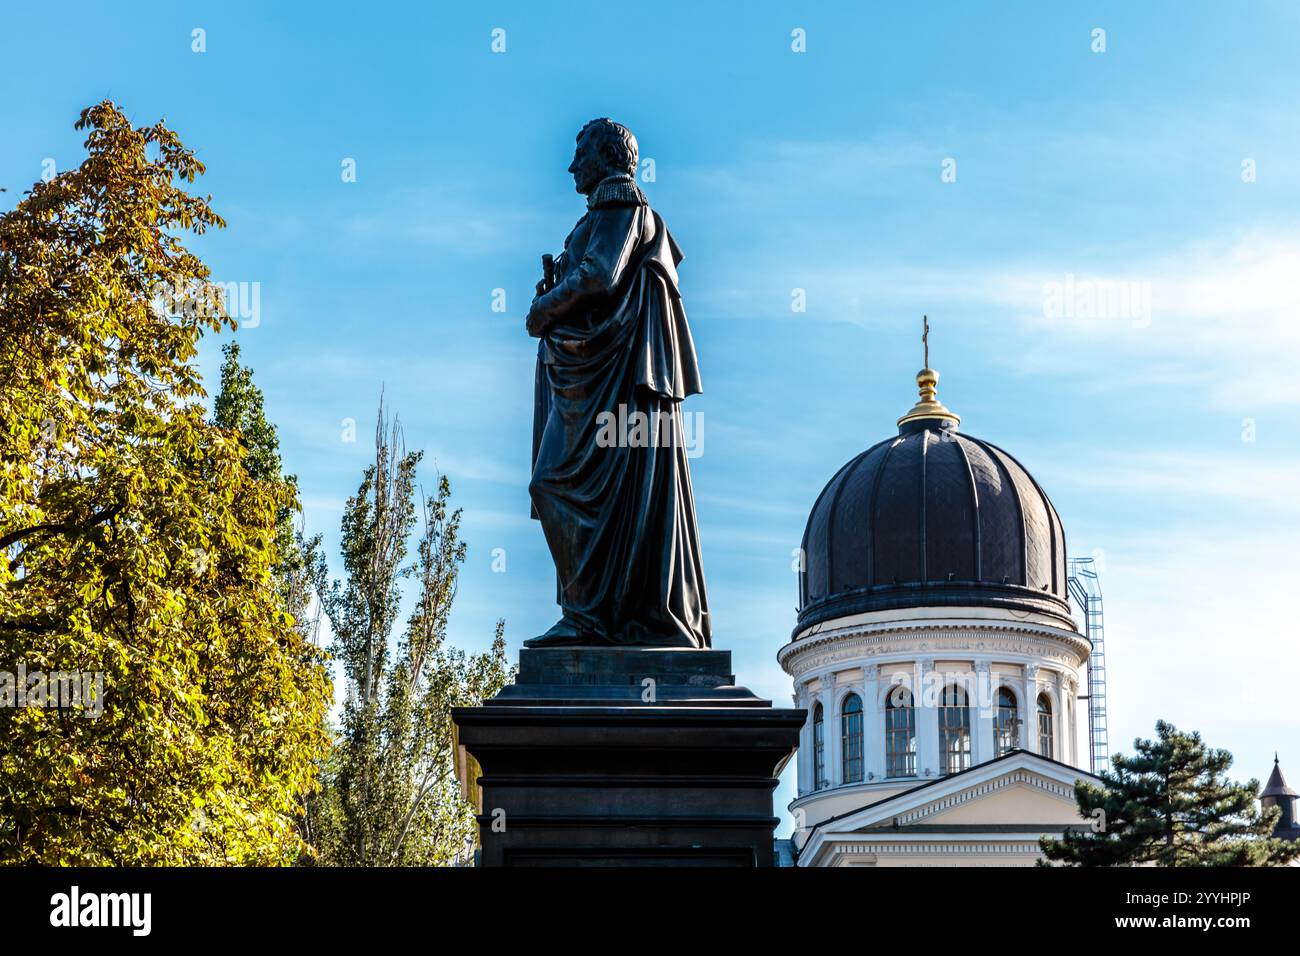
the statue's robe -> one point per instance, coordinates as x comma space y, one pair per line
619, 517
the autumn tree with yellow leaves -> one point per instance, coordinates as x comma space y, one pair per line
135, 540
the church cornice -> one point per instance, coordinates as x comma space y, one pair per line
860, 644
867, 850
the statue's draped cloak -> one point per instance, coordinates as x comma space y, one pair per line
619, 517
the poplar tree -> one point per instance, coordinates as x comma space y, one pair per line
1171, 804
390, 795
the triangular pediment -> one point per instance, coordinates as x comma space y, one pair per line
1016, 797
1019, 788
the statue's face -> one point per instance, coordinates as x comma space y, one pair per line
588, 168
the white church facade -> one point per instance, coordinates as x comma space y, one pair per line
937, 658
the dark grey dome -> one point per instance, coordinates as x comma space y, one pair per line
932, 518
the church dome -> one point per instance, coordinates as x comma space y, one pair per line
932, 518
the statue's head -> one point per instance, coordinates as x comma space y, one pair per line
605, 148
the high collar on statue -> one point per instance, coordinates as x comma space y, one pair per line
620, 189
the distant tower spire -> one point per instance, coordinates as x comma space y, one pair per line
1278, 793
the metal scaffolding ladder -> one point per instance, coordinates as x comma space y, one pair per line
1086, 591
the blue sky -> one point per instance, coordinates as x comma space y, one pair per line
776, 171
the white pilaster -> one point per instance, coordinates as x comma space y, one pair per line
927, 720
834, 773
1062, 718
1029, 726
1072, 719
873, 725
984, 699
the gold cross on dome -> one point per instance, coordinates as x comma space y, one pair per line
925, 339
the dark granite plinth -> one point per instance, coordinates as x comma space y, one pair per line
595, 676
623, 757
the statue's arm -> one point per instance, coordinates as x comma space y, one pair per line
614, 233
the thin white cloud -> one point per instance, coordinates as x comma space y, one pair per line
1234, 475
1223, 313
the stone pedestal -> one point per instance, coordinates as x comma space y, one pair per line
624, 757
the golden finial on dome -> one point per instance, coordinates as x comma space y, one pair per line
927, 381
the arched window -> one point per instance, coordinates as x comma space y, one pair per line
819, 749
900, 734
1045, 737
1006, 724
851, 738
954, 730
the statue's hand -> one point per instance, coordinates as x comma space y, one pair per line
536, 322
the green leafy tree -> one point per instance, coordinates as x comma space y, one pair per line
240, 408
299, 569
390, 797
1171, 804
136, 539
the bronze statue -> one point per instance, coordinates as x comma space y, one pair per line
615, 501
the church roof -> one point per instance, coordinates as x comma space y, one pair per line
932, 517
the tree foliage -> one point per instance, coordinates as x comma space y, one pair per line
137, 539
390, 796
299, 569
240, 408
1171, 804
